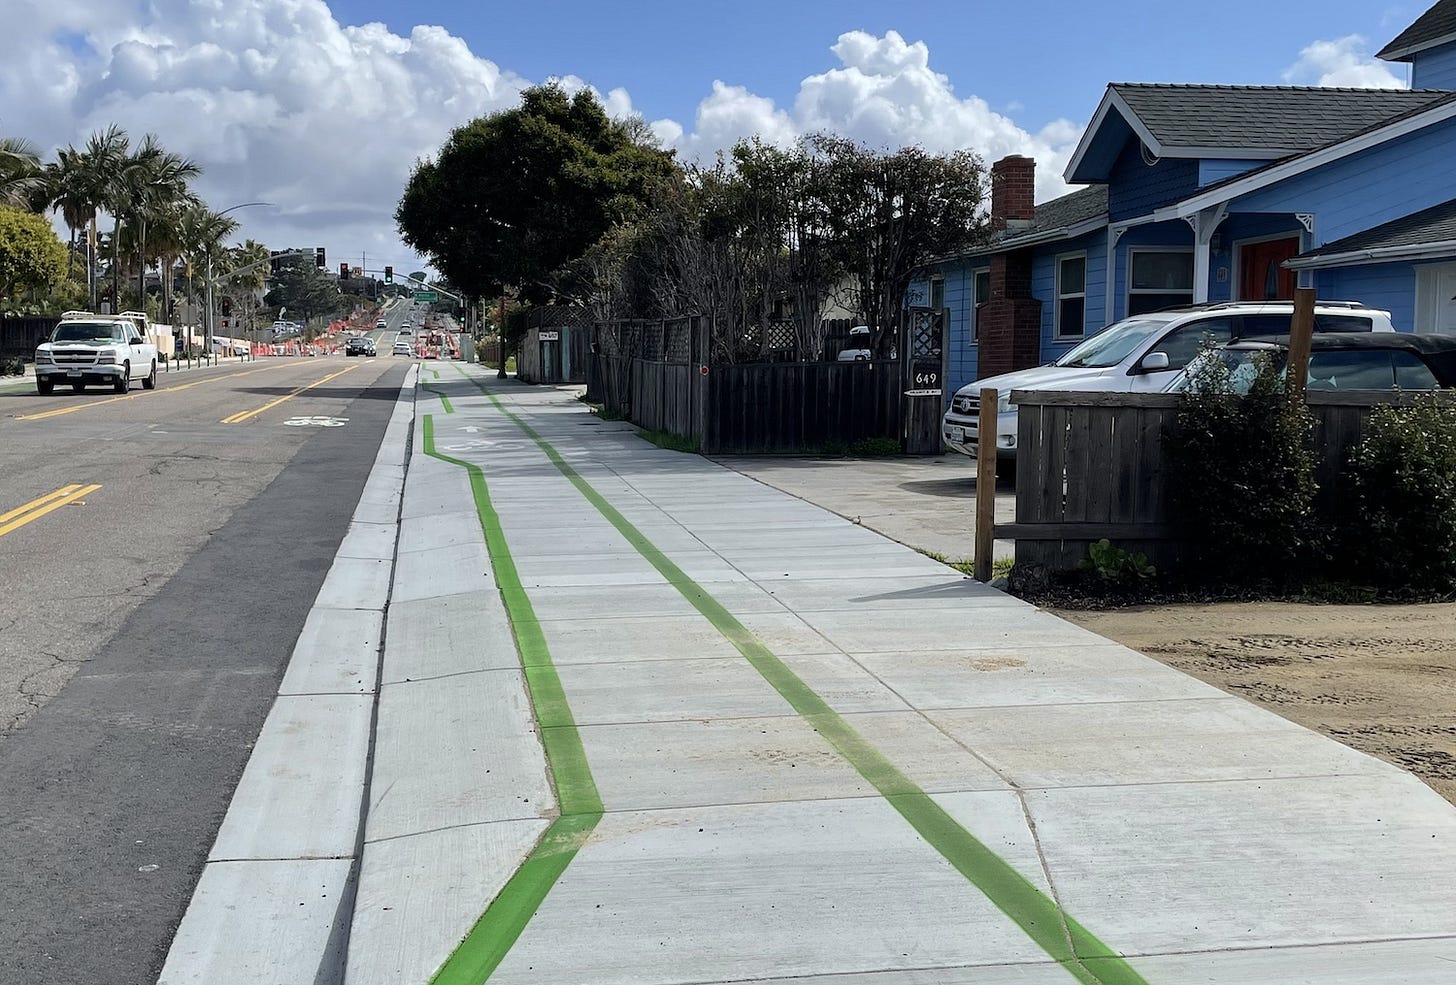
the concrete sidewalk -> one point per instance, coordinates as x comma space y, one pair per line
643, 720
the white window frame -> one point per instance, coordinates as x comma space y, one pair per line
1058, 331
977, 301
930, 292
1134, 251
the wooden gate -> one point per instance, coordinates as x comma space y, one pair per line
924, 352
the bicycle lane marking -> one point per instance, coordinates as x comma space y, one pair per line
1056, 932
490, 939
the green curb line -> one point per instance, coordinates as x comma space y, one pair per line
445, 401
493, 935
1063, 939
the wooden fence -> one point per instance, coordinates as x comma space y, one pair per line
20, 336
658, 375
1092, 465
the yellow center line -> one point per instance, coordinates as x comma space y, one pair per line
34, 510
244, 415
63, 491
144, 393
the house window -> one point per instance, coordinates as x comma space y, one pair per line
1071, 296
980, 294
1159, 279
937, 293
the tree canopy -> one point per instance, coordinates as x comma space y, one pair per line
31, 255
515, 195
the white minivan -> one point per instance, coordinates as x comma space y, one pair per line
1141, 354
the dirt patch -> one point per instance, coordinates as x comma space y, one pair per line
1379, 678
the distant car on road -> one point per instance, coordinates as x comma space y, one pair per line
403, 349
357, 346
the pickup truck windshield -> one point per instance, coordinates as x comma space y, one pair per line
81, 331
1114, 343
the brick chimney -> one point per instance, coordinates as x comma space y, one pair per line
1013, 193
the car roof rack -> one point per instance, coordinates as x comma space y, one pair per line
1222, 305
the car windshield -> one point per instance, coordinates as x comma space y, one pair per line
85, 331
1114, 343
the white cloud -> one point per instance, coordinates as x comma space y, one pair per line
1343, 61
883, 93
281, 103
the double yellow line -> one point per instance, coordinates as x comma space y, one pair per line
49, 503
244, 415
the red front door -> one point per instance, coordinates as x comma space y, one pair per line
1261, 274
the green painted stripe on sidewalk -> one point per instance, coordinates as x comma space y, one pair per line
444, 400
1063, 939
495, 933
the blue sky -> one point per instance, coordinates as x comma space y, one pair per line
1038, 59
324, 106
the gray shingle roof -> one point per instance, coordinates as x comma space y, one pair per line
1434, 25
1433, 225
1286, 119
1065, 213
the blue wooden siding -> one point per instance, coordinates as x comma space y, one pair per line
958, 275
1353, 194
1136, 189
1044, 289
1214, 170
1391, 286
1435, 69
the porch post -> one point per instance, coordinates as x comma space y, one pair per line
1204, 224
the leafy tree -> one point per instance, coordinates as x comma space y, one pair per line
31, 255
303, 288
515, 195
886, 215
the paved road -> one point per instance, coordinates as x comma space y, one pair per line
156, 565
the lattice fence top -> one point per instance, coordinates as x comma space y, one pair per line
923, 333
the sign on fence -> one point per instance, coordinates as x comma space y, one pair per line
549, 336
924, 378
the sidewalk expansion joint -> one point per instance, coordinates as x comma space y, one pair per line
1040, 917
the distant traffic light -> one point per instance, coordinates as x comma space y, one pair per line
344, 271
318, 258
389, 275
227, 307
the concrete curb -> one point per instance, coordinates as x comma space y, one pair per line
276, 894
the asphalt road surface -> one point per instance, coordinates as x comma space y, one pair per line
158, 555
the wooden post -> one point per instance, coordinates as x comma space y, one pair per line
1301, 330
986, 483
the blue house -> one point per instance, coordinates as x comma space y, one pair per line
1199, 193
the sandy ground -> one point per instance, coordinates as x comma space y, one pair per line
1379, 678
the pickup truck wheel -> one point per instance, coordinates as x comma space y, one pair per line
123, 382
150, 383
44, 386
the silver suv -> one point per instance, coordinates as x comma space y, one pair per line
1142, 354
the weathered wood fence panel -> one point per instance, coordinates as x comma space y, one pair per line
20, 336
779, 407
1092, 465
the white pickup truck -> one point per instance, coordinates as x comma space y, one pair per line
108, 350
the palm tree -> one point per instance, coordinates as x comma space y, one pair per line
201, 233
20, 173
153, 180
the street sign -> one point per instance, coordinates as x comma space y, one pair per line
426, 296
924, 393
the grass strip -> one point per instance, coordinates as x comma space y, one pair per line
495, 933
1063, 939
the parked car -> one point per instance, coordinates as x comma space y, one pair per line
1404, 361
1142, 354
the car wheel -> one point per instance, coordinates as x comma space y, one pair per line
123, 382
150, 383
44, 386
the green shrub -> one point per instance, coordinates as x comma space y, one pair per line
1241, 477
1116, 566
1402, 528
12, 366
